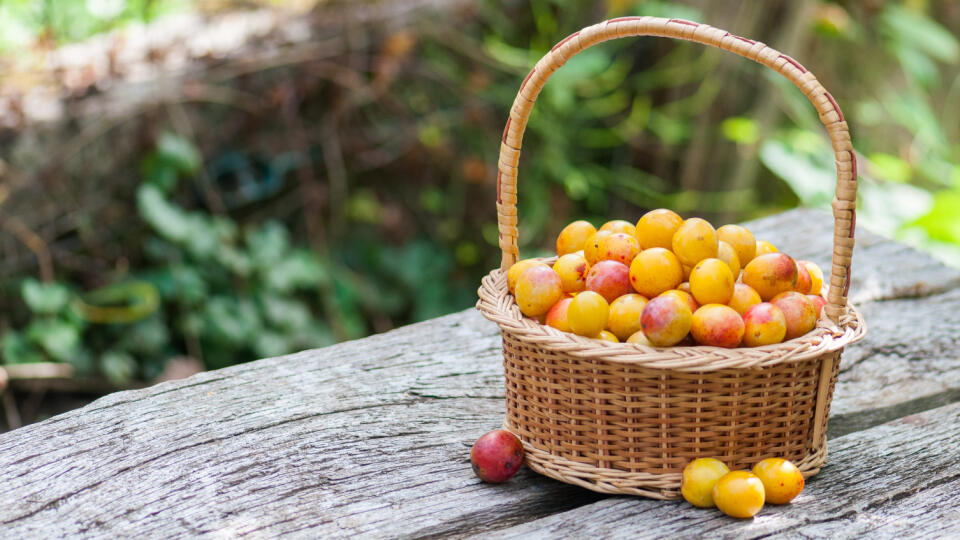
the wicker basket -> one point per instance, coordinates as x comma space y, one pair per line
624, 418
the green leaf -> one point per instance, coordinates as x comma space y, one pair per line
638, 119
600, 138
889, 167
188, 285
159, 172
939, 171
832, 20
267, 243
168, 220
917, 30
285, 313
146, 338
941, 222
82, 362
505, 54
670, 10
885, 207
583, 67
346, 301
17, 350
431, 135
576, 185
267, 344
191, 324
869, 113
119, 367
433, 200
178, 151
813, 183
670, 129
467, 253
230, 320
234, 260
912, 111
181, 283
225, 229
740, 130
795, 102
200, 235
203, 242
44, 298
363, 207
919, 67
490, 233
315, 335
59, 339
300, 269
561, 91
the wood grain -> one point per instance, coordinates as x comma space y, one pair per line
371, 437
890, 481
356, 437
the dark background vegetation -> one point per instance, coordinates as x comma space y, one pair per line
334, 175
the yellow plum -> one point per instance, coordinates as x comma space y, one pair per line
655, 270
573, 237
656, 228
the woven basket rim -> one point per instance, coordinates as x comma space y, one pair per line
498, 305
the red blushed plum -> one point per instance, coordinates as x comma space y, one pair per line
799, 312
818, 303
764, 324
618, 247
804, 281
609, 279
538, 289
685, 296
496, 456
665, 321
557, 316
717, 325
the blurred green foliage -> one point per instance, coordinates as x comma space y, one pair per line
409, 229
209, 287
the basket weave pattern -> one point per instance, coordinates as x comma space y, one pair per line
596, 418
625, 418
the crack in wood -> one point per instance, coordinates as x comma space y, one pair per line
844, 424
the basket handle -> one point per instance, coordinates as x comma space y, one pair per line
844, 202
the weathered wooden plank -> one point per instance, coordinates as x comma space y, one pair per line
910, 354
897, 480
348, 438
369, 437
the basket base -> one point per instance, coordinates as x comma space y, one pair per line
616, 482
